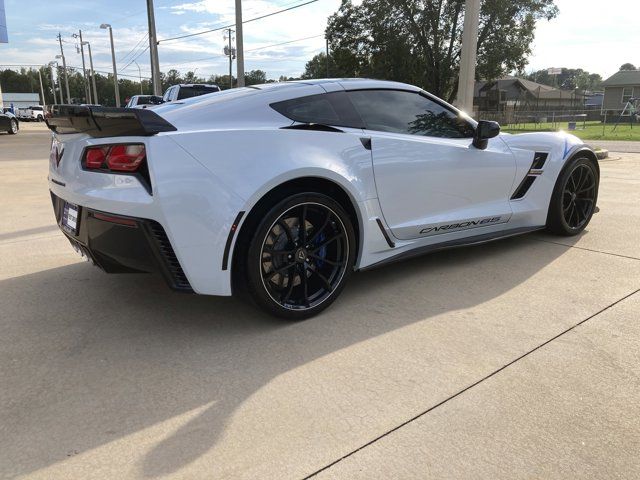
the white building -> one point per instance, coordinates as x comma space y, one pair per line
20, 100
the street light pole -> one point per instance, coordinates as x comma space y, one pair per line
139, 75
113, 59
153, 50
64, 67
44, 101
239, 45
93, 75
53, 83
87, 88
466, 81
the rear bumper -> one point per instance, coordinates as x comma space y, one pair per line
122, 244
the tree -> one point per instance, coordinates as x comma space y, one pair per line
255, 77
419, 41
317, 68
627, 66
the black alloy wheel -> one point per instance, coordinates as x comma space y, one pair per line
303, 250
574, 198
578, 196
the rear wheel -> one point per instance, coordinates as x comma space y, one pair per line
300, 256
13, 127
574, 198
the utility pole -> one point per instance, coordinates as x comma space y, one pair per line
87, 88
44, 101
466, 81
116, 90
230, 52
239, 45
64, 67
327, 54
153, 50
93, 75
53, 84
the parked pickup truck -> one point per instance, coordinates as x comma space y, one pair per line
35, 112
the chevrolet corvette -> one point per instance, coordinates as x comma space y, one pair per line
282, 190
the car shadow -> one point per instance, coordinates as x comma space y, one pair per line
88, 358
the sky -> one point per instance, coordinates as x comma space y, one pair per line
597, 37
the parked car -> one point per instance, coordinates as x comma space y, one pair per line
144, 101
9, 122
188, 90
283, 190
33, 113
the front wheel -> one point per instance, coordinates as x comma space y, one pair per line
300, 256
574, 198
13, 127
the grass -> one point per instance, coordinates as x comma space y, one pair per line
591, 131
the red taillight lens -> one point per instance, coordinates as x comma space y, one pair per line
95, 157
125, 158
118, 158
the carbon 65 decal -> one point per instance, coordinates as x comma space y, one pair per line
467, 224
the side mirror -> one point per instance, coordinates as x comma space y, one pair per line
484, 132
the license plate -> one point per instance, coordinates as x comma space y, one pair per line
70, 218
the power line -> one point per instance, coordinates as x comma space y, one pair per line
285, 43
135, 58
233, 24
213, 57
144, 37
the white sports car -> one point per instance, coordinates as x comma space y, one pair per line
283, 190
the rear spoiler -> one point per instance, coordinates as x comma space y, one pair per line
105, 121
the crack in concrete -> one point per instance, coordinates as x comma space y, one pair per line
587, 249
460, 392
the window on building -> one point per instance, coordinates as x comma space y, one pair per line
627, 94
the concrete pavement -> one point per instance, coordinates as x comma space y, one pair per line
516, 359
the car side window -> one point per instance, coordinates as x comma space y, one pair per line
408, 112
310, 109
326, 108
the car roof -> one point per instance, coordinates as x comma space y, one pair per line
344, 83
198, 85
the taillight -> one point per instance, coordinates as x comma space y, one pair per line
117, 158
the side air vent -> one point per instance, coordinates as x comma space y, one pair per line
171, 263
539, 160
523, 187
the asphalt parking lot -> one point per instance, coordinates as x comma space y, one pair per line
516, 359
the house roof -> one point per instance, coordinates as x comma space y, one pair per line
623, 78
535, 89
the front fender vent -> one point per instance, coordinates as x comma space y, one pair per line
539, 159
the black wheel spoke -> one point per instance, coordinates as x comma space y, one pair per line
302, 229
287, 229
317, 233
327, 242
291, 277
273, 273
305, 287
330, 262
324, 280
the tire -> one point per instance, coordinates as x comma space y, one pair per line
40, 118
13, 127
574, 198
296, 273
